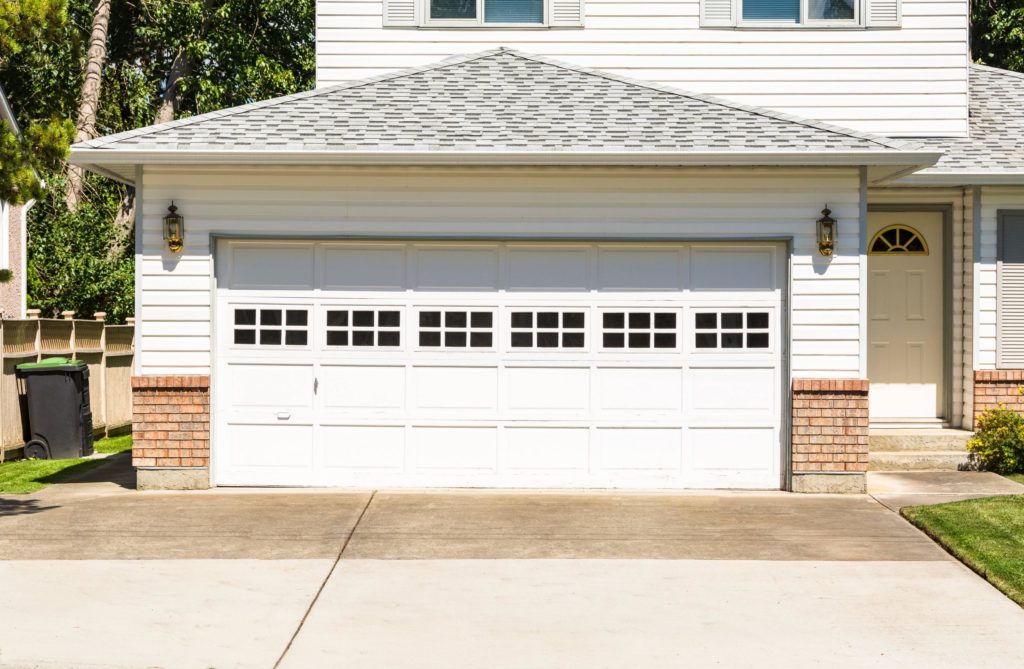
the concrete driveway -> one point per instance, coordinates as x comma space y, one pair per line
95, 575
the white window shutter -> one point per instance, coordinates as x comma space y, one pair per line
1010, 291
566, 13
400, 12
884, 13
718, 13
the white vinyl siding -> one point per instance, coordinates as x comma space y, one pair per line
1010, 291
910, 81
692, 204
993, 200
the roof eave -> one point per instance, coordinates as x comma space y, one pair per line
963, 179
901, 161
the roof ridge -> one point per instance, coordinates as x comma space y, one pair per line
101, 142
887, 142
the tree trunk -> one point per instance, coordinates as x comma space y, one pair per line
95, 59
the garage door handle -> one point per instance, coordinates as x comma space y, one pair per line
283, 415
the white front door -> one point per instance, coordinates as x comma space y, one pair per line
389, 364
905, 327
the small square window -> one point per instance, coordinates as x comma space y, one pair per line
362, 318
639, 340
707, 321
481, 339
732, 321
614, 321
245, 317
572, 339
295, 337
389, 338
757, 340
548, 320
706, 340
455, 319
270, 337
297, 317
614, 340
641, 320
430, 319
665, 321
547, 340
270, 316
455, 339
732, 340
337, 318
664, 340
522, 319
757, 320
522, 339
388, 319
337, 338
482, 319
573, 320
362, 338
430, 338
245, 336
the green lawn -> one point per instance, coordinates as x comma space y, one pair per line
1019, 478
985, 534
26, 476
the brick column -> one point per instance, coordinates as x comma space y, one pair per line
993, 387
830, 435
171, 431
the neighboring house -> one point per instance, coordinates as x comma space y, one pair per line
12, 240
552, 266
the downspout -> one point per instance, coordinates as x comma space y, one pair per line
24, 256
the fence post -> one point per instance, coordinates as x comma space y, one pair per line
101, 316
33, 315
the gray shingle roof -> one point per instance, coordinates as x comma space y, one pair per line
498, 100
996, 141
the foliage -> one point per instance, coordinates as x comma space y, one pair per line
997, 33
24, 21
998, 442
986, 534
235, 51
43, 146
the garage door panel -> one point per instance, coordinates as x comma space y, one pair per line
750, 390
365, 267
373, 447
618, 269
456, 389
640, 390
270, 386
257, 266
536, 451
732, 268
734, 457
546, 269
533, 391
363, 388
456, 268
454, 449
264, 454
639, 450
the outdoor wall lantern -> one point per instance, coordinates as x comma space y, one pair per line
174, 229
826, 232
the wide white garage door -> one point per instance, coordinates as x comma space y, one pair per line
498, 364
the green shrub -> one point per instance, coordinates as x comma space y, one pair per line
998, 442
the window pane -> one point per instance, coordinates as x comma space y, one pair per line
335, 338
337, 318
245, 336
614, 339
757, 320
757, 340
614, 320
457, 339
639, 320
665, 321
547, 340
430, 319
430, 339
771, 10
707, 321
295, 317
707, 340
270, 316
388, 338
363, 318
245, 317
573, 319
830, 10
732, 340
571, 339
639, 340
514, 11
362, 338
522, 319
547, 319
481, 319
480, 340
270, 337
522, 340
665, 340
295, 338
455, 319
388, 319
732, 321
453, 9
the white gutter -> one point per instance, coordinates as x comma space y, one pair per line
964, 179
96, 158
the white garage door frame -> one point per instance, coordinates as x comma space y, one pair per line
557, 421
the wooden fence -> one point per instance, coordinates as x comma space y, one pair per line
107, 349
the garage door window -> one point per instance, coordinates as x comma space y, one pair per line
731, 330
639, 330
271, 327
548, 329
456, 329
367, 328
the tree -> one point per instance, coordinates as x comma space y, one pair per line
26, 20
43, 146
997, 33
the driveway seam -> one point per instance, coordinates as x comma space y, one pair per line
327, 578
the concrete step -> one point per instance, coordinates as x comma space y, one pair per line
918, 439
909, 461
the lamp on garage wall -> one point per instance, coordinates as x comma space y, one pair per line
174, 229
826, 232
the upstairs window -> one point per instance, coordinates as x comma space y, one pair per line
491, 11
812, 12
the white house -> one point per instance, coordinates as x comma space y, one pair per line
12, 240
568, 243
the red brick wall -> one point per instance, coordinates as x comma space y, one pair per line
830, 425
171, 421
994, 387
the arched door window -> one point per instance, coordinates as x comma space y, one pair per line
898, 239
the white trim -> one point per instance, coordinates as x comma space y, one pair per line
989, 178
24, 256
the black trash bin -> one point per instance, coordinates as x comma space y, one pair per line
59, 419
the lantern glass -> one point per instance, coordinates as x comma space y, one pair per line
174, 229
826, 233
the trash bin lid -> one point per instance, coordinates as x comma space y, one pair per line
52, 365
